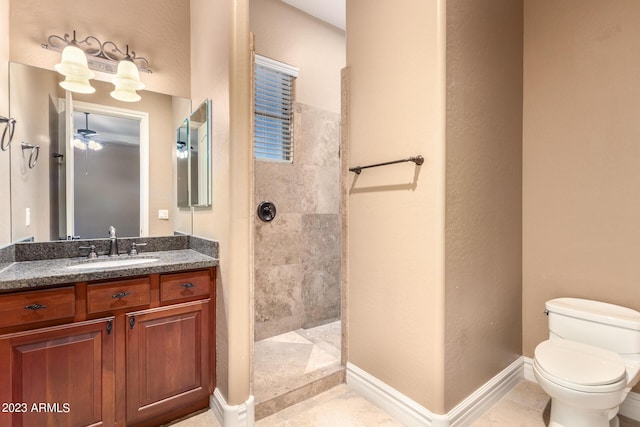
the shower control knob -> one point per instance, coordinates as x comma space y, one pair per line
266, 211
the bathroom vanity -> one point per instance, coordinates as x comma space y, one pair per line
126, 345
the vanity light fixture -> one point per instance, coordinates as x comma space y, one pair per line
79, 56
127, 81
74, 68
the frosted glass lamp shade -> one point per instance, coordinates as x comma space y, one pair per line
126, 95
79, 144
74, 67
94, 145
74, 63
127, 82
83, 145
77, 84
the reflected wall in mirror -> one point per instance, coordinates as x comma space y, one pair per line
199, 135
39, 195
193, 153
182, 164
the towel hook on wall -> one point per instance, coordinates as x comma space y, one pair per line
7, 133
35, 152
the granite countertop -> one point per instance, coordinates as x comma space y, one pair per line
32, 274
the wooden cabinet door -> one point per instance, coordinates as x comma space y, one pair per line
168, 359
58, 376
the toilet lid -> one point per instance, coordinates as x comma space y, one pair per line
579, 363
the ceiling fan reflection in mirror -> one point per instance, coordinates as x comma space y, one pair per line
182, 152
86, 138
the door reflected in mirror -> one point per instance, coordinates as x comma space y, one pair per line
106, 173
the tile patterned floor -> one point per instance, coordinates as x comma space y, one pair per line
288, 361
524, 406
338, 407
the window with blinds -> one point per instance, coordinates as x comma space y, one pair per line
273, 113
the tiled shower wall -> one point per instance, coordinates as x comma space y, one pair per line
297, 255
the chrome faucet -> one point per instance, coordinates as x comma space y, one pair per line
113, 246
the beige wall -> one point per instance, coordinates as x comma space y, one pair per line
106, 192
288, 35
581, 156
161, 36
5, 190
483, 332
221, 71
395, 277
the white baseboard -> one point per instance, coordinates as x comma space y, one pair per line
630, 408
387, 398
411, 413
406, 410
242, 415
528, 369
486, 396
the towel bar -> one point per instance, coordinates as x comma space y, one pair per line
418, 160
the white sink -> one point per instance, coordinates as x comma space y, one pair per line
111, 263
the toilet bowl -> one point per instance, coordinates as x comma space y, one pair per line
590, 361
586, 384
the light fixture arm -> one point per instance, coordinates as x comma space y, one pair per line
101, 56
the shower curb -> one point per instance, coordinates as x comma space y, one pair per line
307, 391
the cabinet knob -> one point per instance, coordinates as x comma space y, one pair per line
188, 285
34, 307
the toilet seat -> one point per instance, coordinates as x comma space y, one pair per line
580, 366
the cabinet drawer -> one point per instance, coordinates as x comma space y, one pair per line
117, 295
37, 306
177, 286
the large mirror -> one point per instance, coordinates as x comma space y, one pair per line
193, 148
76, 190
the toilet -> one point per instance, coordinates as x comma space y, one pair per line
590, 361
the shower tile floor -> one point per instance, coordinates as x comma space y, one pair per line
286, 362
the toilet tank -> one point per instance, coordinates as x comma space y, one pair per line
595, 323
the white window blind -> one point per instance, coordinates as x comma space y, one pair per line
273, 137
